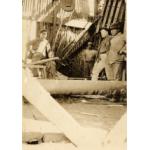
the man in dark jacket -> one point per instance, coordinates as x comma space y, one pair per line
115, 56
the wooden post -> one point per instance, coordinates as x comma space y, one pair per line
111, 13
117, 11
122, 13
102, 17
117, 137
82, 138
106, 13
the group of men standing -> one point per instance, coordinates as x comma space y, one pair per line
111, 55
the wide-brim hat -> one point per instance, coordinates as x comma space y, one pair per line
116, 25
43, 30
104, 28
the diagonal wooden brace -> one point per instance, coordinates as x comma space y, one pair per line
82, 138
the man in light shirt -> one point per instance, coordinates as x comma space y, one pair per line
41, 49
103, 48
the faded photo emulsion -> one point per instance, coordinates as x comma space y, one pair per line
74, 93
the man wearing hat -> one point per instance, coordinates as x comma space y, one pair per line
89, 56
41, 49
102, 53
115, 58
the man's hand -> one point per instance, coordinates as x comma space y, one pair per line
98, 60
121, 52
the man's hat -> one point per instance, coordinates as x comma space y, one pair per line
43, 30
116, 25
89, 43
104, 28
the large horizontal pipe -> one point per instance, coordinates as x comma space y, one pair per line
81, 86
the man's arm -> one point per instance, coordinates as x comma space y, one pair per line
49, 50
123, 50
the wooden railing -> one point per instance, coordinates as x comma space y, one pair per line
35, 9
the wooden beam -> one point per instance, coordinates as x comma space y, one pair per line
119, 142
37, 129
81, 86
122, 13
49, 146
36, 94
117, 11
34, 66
30, 125
111, 13
106, 13
44, 61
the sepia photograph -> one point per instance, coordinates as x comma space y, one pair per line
74, 75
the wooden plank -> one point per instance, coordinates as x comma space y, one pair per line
34, 9
119, 142
24, 7
49, 146
48, 13
102, 16
37, 129
30, 125
112, 13
82, 138
117, 11
42, 100
125, 23
106, 13
44, 61
81, 87
104, 7
27, 8
122, 13
38, 7
34, 66
30, 7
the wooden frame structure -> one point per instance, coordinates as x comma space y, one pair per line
81, 138
113, 11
